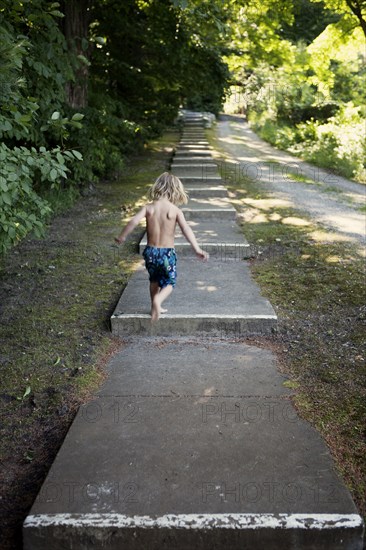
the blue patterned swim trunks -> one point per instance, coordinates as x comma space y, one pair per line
161, 265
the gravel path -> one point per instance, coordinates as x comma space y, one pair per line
330, 199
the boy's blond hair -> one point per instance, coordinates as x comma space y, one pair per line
170, 187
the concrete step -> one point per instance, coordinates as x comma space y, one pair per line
193, 151
200, 304
194, 133
223, 240
189, 130
193, 142
198, 161
207, 191
203, 171
214, 208
195, 168
205, 146
194, 145
201, 181
192, 158
193, 154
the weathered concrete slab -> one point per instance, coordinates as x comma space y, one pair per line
192, 161
190, 142
193, 151
212, 303
206, 191
214, 208
223, 240
202, 146
194, 137
207, 453
194, 123
201, 181
203, 171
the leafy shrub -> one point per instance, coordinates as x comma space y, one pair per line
339, 144
23, 172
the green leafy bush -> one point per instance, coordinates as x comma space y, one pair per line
23, 173
339, 144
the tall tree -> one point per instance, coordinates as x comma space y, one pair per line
76, 23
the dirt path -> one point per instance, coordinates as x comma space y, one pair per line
329, 199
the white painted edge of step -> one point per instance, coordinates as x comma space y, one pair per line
199, 521
210, 210
143, 242
192, 316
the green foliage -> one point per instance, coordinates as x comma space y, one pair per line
313, 104
23, 172
338, 144
309, 20
28, 166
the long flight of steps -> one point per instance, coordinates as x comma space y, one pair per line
213, 298
193, 442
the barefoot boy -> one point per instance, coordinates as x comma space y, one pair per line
162, 215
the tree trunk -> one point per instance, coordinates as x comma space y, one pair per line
76, 32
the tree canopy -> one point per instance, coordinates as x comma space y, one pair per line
86, 82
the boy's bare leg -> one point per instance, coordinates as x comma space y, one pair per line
158, 300
155, 289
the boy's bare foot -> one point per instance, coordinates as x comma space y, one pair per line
163, 310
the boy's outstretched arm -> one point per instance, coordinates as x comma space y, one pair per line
189, 235
131, 225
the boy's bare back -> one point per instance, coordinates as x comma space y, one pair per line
161, 219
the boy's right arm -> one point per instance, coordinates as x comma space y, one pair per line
131, 225
189, 235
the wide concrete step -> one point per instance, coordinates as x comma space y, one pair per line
203, 171
190, 142
201, 303
192, 139
194, 133
206, 191
193, 151
187, 162
222, 239
213, 208
201, 180
194, 158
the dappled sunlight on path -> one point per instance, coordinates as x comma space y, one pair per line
289, 182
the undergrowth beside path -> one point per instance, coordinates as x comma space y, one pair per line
56, 297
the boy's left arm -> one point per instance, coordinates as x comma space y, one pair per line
131, 225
